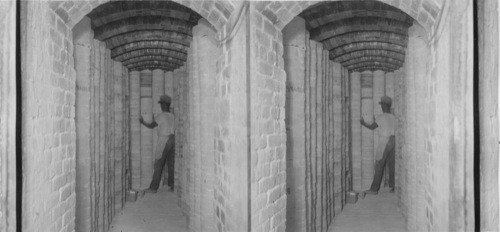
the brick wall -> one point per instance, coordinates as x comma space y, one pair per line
432, 144
316, 113
193, 87
8, 118
268, 134
450, 52
49, 139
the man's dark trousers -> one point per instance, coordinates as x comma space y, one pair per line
388, 158
168, 156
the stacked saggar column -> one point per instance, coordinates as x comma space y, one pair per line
135, 128
346, 133
158, 89
323, 127
147, 146
378, 92
169, 90
355, 78
336, 171
367, 159
294, 44
207, 66
314, 119
410, 142
83, 45
101, 152
389, 91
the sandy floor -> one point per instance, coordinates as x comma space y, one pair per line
373, 213
152, 213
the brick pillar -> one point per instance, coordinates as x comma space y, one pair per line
367, 134
294, 45
83, 35
135, 128
355, 78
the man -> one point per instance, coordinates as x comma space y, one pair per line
164, 151
385, 125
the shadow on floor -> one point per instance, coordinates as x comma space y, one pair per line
375, 213
152, 213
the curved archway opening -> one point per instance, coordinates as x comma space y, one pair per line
424, 50
128, 54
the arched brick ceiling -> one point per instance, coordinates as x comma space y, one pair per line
145, 34
361, 35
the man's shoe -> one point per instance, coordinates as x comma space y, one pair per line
392, 190
362, 195
171, 189
150, 190
371, 192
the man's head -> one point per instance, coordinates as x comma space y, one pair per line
385, 103
165, 101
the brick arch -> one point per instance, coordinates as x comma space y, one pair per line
425, 12
216, 12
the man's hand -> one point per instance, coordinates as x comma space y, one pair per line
141, 119
362, 121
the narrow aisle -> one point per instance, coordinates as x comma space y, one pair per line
375, 213
152, 213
